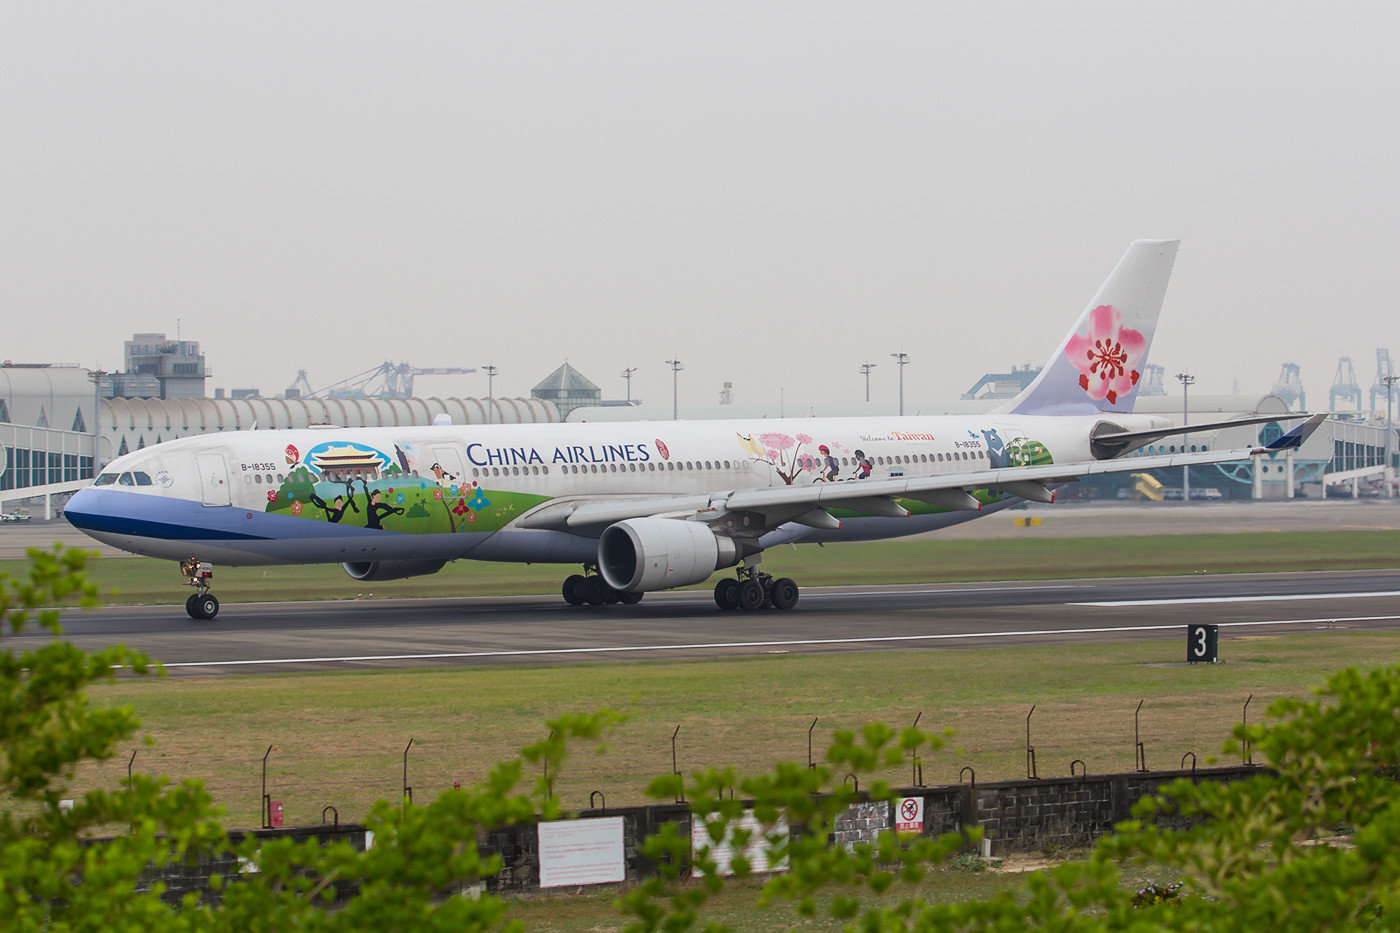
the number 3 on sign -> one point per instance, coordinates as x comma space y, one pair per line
1202, 642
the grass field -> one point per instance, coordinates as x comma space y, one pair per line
146, 581
339, 738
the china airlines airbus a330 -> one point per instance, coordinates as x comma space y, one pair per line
648, 505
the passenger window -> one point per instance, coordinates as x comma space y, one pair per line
142, 479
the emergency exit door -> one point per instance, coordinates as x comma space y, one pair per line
213, 478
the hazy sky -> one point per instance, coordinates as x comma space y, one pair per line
772, 193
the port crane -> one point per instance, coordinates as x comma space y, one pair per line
387, 380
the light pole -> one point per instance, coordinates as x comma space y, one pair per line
903, 360
676, 367
1186, 382
627, 374
1389, 431
96, 377
490, 378
865, 369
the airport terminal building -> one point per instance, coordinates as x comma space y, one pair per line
54, 424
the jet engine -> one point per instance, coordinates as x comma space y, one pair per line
391, 569
644, 554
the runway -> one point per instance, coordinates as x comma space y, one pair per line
265, 638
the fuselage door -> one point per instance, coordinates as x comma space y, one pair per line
447, 466
213, 478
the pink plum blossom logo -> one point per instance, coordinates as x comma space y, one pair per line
1106, 357
272, 495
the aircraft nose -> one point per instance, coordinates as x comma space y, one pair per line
83, 508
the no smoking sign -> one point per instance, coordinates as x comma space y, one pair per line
909, 815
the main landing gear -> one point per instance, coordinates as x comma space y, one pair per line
202, 604
754, 589
590, 588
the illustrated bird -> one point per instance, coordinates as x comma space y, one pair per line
750, 445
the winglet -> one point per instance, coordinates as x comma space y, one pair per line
1295, 438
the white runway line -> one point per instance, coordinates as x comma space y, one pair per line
712, 646
1237, 599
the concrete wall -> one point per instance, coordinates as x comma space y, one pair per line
1030, 816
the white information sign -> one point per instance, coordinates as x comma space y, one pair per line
581, 852
756, 850
909, 815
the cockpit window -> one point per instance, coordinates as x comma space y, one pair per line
106, 479
142, 479
126, 480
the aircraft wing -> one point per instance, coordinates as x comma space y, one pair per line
808, 504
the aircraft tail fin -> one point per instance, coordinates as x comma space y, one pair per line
1099, 365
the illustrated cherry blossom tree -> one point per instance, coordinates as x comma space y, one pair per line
784, 453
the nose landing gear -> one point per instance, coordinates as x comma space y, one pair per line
202, 604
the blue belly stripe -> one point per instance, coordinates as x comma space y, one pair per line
141, 528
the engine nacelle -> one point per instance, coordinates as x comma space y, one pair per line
392, 569
644, 554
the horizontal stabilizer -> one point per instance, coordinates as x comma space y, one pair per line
1108, 444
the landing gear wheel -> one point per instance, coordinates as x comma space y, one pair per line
631, 599
750, 595
207, 606
727, 594
192, 606
595, 591
573, 590
783, 593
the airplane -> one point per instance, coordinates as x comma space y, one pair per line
647, 506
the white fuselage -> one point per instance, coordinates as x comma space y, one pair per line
443, 492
